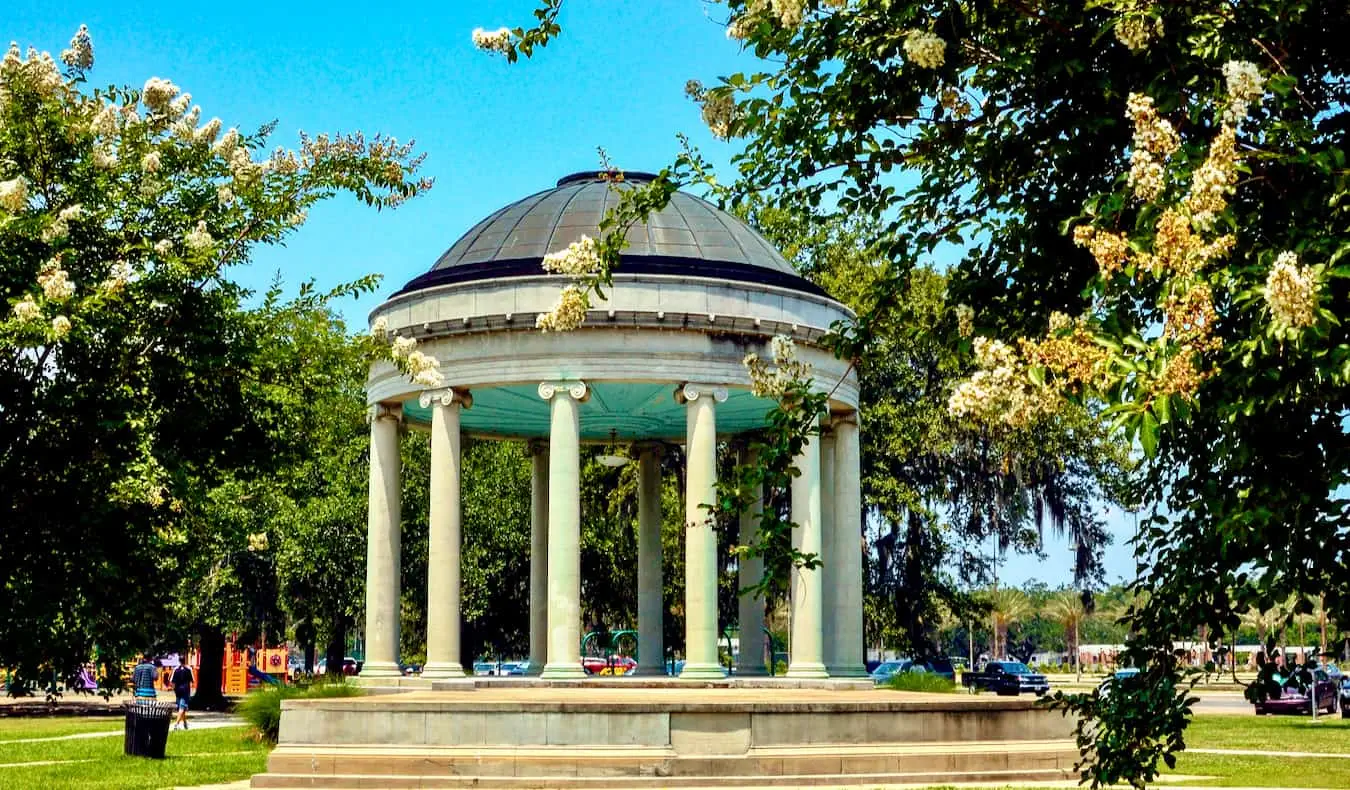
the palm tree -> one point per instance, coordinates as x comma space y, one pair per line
1066, 608
1263, 621
1007, 606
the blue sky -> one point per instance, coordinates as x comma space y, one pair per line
492, 132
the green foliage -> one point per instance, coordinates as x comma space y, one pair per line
139, 395
262, 708
921, 681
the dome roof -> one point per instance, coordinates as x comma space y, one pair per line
690, 237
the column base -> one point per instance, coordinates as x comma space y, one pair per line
701, 672
807, 670
567, 671
442, 670
848, 671
381, 669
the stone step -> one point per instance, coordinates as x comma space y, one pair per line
874, 781
405, 766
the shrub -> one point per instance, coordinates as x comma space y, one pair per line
262, 709
920, 681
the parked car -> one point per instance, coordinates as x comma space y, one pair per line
1296, 695
1008, 678
887, 669
937, 666
1120, 676
514, 668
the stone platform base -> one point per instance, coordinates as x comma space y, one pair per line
665, 737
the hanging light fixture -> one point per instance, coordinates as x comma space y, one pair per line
611, 457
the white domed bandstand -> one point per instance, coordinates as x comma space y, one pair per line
658, 363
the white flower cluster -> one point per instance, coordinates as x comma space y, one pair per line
1154, 141
224, 195
104, 122
1292, 293
14, 195
102, 156
719, 110
773, 382
1135, 31
926, 50
120, 274
60, 327
55, 282
740, 27
1245, 86
224, 147
1213, 181
198, 239
38, 71
965, 320
380, 328
580, 258
163, 248
150, 162
158, 95
26, 310
424, 368
789, 12
257, 542
1000, 391
81, 53
568, 314
498, 40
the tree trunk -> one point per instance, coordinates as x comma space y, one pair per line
210, 671
1077, 655
337, 648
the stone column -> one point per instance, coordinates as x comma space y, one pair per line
383, 534
806, 653
651, 647
443, 535
750, 608
827, 602
564, 529
845, 555
700, 559
538, 556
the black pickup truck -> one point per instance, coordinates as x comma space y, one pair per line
1006, 677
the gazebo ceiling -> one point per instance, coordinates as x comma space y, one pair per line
631, 410
689, 237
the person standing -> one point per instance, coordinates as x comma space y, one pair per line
143, 679
182, 692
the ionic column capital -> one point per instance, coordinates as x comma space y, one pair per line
577, 390
384, 411
692, 391
844, 418
447, 396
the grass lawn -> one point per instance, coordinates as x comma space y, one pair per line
1230, 770
54, 726
194, 757
1330, 735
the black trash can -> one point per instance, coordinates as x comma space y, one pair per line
147, 728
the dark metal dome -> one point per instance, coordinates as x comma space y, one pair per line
689, 237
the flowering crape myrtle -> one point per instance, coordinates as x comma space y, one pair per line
128, 365
1145, 202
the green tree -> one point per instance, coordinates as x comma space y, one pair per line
1066, 608
132, 382
1007, 606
